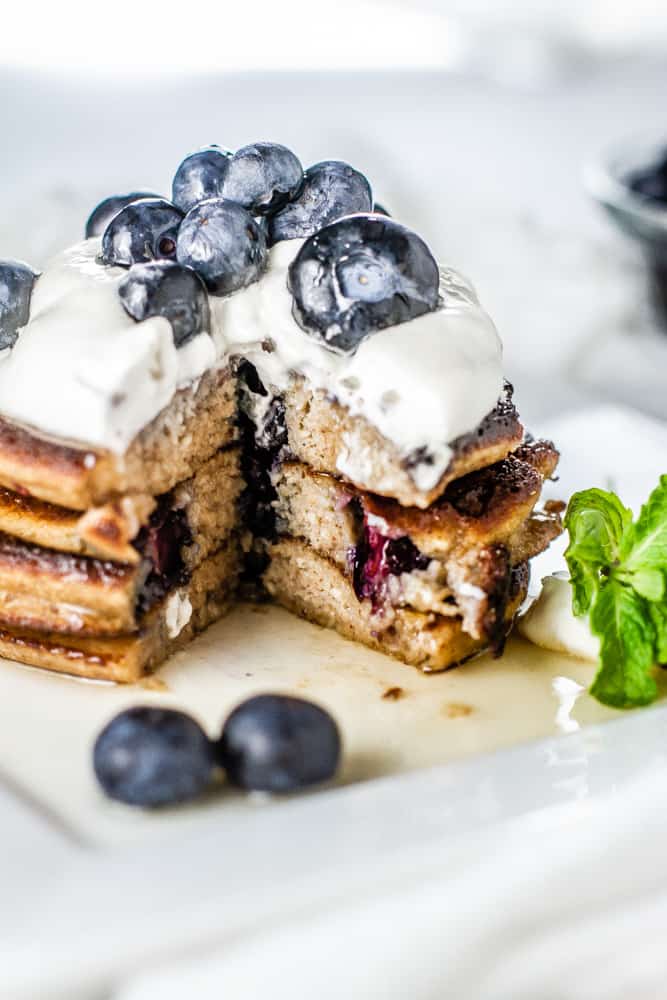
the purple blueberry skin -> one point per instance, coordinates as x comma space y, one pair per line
330, 190
102, 214
359, 275
222, 242
263, 177
164, 288
376, 557
275, 743
142, 231
16, 284
153, 757
200, 176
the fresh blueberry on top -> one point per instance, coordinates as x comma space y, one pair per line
358, 275
164, 288
200, 176
223, 243
651, 181
275, 743
330, 190
379, 209
153, 757
16, 284
101, 216
142, 231
263, 177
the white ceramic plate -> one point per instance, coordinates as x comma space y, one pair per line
104, 887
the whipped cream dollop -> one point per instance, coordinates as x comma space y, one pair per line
83, 369
551, 623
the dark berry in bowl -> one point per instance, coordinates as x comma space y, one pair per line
222, 242
200, 176
164, 288
630, 182
650, 180
263, 177
276, 743
101, 216
153, 757
142, 231
359, 275
16, 283
330, 190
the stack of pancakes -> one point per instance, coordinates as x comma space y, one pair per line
109, 563
430, 576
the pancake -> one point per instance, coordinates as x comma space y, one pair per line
448, 559
127, 658
308, 584
196, 424
324, 435
48, 589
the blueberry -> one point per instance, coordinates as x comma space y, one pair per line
100, 217
153, 757
164, 288
223, 243
274, 743
379, 209
200, 176
330, 190
16, 284
263, 177
359, 275
142, 231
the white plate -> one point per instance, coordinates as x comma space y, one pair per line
455, 754
393, 718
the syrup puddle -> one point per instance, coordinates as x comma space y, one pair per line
393, 718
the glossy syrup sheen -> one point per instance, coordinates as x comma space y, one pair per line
392, 717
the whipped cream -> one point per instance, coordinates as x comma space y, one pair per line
178, 613
83, 369
551, 623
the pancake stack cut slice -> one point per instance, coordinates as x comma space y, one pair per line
428, 576
112, 584
110, 563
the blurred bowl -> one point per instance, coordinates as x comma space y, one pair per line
639, 216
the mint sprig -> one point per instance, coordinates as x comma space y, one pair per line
618, 570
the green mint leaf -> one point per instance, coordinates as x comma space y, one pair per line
623, 622
597, 523
649, 583
658, 613
645, 545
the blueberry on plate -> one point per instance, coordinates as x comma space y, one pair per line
153, 757
275, 743
101, 216
164, 288
359, 275
142, 231
224, 245
263, 177
330, 190
200, 176
651, 181
16, 283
